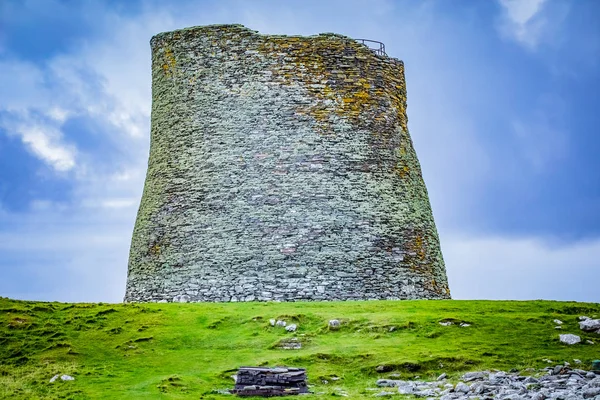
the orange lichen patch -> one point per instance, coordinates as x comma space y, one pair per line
418, 248
437, 287
155, 249
349, 80
169, 64
402, 171
418, 241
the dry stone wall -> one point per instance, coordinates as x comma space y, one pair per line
281, 168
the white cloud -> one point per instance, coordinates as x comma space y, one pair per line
45, 142
522, 21
521, 268
58, 114
522, 11
24, 97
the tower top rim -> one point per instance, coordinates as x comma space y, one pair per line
375, 46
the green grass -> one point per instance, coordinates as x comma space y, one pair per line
189, 351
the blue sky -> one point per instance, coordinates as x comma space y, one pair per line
503, 102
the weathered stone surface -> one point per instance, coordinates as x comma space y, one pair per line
334, 324
268, 382
387, 382
569, 338
281, 169
462, 388
568, 384
471, 376
589, 325
62, 377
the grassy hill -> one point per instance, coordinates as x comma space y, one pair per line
190, 351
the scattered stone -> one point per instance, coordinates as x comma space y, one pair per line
570, 338
384, 368
272, 322
334, 324
384, 394
392, 329
181, 298
461, 388
62, 378
590, 342
538, 396
291, 328
591, 392
425, 393
290, 344
447, 323
583, 318
557, 370
442, 377
221, 391
471, 376
557, 383
406, 388
558, 322
576, 361
590, 325
464, 324
387, 382
280, 323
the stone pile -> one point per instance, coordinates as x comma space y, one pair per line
560, 382
267, 382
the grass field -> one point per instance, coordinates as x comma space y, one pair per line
190, 351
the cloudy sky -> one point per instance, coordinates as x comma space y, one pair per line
503, 105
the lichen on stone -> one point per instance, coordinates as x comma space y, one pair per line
281, 168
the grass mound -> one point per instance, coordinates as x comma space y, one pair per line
190, 351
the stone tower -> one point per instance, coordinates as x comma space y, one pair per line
281, 168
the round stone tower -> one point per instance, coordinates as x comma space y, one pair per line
281, 168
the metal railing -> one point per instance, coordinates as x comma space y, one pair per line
378, 49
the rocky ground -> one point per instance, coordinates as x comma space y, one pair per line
560, 382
